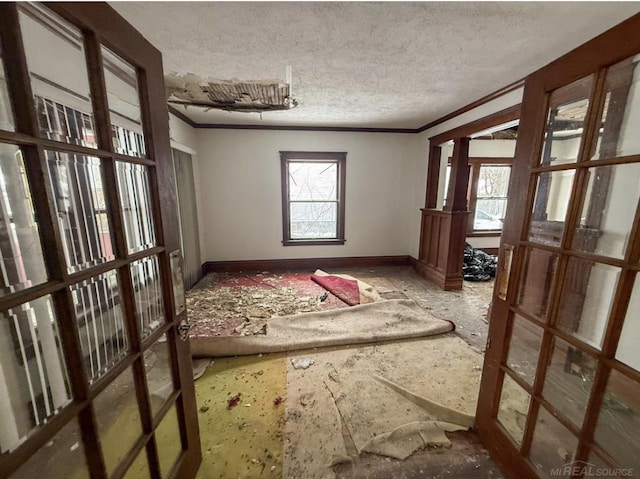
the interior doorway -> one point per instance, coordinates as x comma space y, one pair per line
467, 193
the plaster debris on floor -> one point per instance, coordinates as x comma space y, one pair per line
225, 305
242, 304
392, 401
361, 410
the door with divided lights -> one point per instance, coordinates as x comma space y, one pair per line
560, 393
95, 373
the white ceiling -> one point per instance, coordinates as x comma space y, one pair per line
384, 65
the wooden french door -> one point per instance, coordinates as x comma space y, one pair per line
95, 369
560, 392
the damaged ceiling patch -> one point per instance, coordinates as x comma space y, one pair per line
247, 96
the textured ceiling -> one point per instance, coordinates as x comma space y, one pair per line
392, 64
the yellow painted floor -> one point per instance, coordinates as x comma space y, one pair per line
245, 441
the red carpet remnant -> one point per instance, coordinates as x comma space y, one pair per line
345, 289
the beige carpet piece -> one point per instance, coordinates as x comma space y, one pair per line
369, 408
312, 431
408, 438
366, 323
378, 390
443, 413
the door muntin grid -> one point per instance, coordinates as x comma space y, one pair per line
91, 304
580, 337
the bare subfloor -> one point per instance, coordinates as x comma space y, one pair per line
466, 458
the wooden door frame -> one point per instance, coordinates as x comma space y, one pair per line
615, 45
443, 232
100, 24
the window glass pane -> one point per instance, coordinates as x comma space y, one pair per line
61, 458
553, 445
618, 134
618, 427
445, 193
568, 380
628, 351
118, 418
513, 408
168, 441
598, 467
58, 75
121, 80
33, 369
587, 296
135, 196
140, 467
553, 191
76, 182
316, 181
145, 274
608, 210
157, 363
101, 325
565, 123
482, 220
491, 204
313, 220
20, 248
524, 347
6, 112
538, 275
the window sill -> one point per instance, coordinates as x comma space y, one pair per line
484, 233
313, 242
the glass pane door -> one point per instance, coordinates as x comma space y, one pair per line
563, 396
94, 379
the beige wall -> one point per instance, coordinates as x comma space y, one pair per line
239, 196
240, 192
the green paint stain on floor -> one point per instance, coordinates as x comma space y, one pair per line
244, 441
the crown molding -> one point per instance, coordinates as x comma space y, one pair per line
481, 101
226, 126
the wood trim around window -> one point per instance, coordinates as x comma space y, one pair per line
313, 156
472, 194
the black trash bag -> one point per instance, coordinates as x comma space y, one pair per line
478, 265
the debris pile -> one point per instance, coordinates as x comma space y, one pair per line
302, 363
478, 265
233, 402
241, 310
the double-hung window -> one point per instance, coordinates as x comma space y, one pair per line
486, 195
313, 190
490, 205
